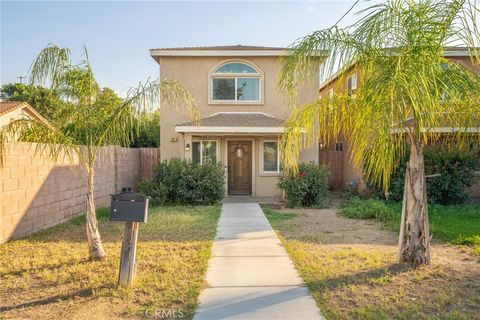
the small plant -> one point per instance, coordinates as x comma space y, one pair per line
358, 208
179, 181
308, 188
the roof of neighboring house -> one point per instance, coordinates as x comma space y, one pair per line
234, 122
9, 107
448, 52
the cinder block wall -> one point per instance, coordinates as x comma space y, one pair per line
36, 193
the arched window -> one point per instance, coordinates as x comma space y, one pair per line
235, 82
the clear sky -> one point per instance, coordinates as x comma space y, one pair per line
119, 34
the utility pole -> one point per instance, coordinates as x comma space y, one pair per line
21, 78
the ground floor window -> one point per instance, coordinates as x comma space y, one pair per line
204, 151
271, 157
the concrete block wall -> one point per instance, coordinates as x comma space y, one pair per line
36, 193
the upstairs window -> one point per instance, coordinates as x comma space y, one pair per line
235, 82
352, 85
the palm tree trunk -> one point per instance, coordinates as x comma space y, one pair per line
414, 241
95, 246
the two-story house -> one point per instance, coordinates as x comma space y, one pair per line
336, 156
242, 111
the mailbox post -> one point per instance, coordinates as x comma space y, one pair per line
131, 208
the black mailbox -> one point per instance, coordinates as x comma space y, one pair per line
129, 206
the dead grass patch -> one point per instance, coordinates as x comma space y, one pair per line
349, 267
49, 276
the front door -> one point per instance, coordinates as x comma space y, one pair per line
240, 167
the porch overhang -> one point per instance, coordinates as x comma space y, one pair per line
234, 123
229, 130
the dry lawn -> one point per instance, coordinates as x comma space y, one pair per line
49, 276
349, 267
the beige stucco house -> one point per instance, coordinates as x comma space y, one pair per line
241, 108
12, 110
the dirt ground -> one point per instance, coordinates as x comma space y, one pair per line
349, 266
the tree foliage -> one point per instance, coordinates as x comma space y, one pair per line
407, 85
44, 100
92, 119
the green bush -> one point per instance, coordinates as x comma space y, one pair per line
359, 208
179, 181
457, 171
308, 188
202, 183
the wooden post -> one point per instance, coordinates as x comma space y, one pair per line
129, 250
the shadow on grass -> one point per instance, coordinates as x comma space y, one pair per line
167, 224
61, 297
365, 277
46, 268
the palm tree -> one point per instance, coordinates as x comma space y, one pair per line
408, 88
88, 121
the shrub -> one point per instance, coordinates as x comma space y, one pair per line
308, 188
156, 191
359, 208
457, 170
179, 181
202, 183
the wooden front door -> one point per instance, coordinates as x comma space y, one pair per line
240, 167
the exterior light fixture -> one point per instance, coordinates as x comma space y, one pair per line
187, 147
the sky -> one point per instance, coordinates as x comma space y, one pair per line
118, 34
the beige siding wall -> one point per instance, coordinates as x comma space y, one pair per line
36, 193
194, 73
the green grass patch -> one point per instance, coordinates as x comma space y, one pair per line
456, 224
48, 275
276, 217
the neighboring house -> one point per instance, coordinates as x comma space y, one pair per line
336, 156
242, 111
11, 110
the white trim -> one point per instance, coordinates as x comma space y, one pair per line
260, 75
218, 53
442, 130
205, 129
269, 173
239, 112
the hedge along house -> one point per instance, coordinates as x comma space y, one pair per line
242, 112
337, 157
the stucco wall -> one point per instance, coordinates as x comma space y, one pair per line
36, 193
194, 73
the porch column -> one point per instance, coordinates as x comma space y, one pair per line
188, 141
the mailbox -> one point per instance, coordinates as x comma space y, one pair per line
129, 206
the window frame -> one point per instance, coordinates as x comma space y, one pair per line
262, 168
259, 75
351, 91
217, 149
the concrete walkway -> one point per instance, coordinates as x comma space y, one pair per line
250, 275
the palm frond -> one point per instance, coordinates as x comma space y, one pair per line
50, 65
408, 90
